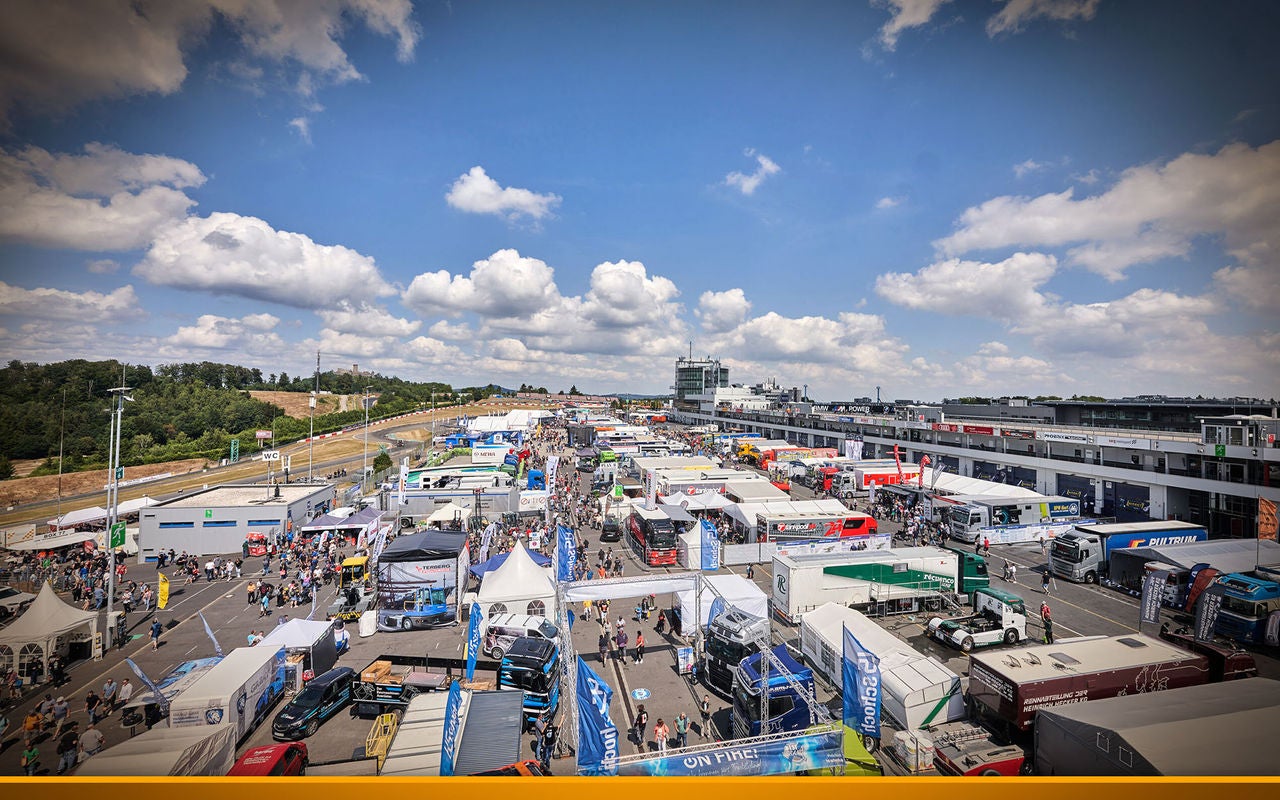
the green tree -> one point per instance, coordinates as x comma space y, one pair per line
381, 462
6, 468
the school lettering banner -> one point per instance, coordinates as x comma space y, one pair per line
804, 751
597, 735
860, 678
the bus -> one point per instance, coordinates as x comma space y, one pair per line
1247, 605
652, 535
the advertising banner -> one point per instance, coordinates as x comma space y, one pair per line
710, 546
217, 648
1017, 433
404, 480
860, 678
452, 728
784, 756
566, 553
1123, 441
597, 735
473, 639
1207, 608
156, 691
1152, 595
1056, 436
1266, 520
717, 608
985, 430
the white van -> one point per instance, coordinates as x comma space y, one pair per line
504, 629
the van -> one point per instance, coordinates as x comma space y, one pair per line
272, 759
503, 629
322, 697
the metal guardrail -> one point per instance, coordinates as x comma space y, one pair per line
380, 735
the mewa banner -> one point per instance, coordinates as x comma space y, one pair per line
804, 751
597, 735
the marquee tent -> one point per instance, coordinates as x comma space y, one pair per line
448, 513
736, 590
430, 558
485, 567
32, 636
519, 586
82, 516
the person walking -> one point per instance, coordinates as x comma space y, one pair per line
704, 709
621, 641
251, 593
156, 630
91, 741
1013, 573
604, 646
265, 603
642, 723
93, 706
682, 730
751, 572
1044, 581
109, 696
124, 694
30, 760
1047, 620
986, 546
61, 710
639, 647
660, 734
68, 750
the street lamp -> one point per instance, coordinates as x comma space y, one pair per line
364, 464
311, 440
113, 495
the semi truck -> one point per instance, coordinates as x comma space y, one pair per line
1082, 554
777, 527
788, 695
731, 637
899, 580
532, 666
240, 689
1007, 688
1012, 520
426, 608
999, 617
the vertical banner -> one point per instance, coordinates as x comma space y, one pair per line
597, 735
473, 640
710, 544
860, 676
162, 701
566, 554
848, 448
452, 728
162, 591
217, 648
404, 480
1207, 608
1266, 520
717, 608
1152, 595
651, 490
857, 450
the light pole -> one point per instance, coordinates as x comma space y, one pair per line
431, 445
315, 393
364, 464
113, 498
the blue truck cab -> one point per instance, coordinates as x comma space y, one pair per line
532, 665
1247, 605
788, 709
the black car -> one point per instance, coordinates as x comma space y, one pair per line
611, 530
324, 696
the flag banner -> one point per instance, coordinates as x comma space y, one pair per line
312, 613
597, 735
1207, 608
717, 608
860, 674
473, 640
566, 554
651, 490
1266, 519
489, 533
404, 480
1152, 595
804, 751
150, 684
162, 590
452, 728
710, 542
217, 648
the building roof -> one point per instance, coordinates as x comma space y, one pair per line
236, 494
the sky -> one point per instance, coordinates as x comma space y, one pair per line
925, 198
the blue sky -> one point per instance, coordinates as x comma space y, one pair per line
936, 198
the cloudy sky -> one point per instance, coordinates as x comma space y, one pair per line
936, 197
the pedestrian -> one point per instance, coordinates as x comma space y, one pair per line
751, 572
124, 694
61, 709
1042, 544
91, 741
621, 641
68, 750
156, 630
662, 622
109, 696
704, 709
1013, 573
660, 734
620, 624
604, 646
682, 730
642, 723
251, 592
639, 647
1047, 620
1044, 581
30, 760
265, 602
986, 546
92, 705
31, 726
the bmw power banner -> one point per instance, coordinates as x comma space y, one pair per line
710, 546
860, 675
452, 728
473, 640
566, 553
804, 751
597, 735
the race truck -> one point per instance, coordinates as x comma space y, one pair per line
426, 608
999, 617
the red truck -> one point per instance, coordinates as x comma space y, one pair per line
1007, 687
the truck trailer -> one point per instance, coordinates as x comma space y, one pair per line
1012, 520
240, 689
1083, 554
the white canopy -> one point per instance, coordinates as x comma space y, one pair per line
297, 634
47, 618
950, 483
736, 590
448, 513
137, 504
168, 751
79, 517
745, 513
699, 502
517, 583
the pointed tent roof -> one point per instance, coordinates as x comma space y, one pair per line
519, 578
448, 512
47, 617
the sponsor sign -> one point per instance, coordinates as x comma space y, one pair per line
1123, 441
566, 554
1017, 433
1207, 608
1056, 436
946, 427
985, 430
710, 545
473, 640
816, 749
597, 735
452, 728
860, 676
263, 435
1152, 594
1060, 509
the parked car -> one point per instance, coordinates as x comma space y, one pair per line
324, 696
272, 759
13, 602
611, 530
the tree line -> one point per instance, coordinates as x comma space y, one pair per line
185, 410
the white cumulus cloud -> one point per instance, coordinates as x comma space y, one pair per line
623, 295
120, 304
1006, 289
505, 284
747, 184
229, 254
366, 318
722, 311
1017, 13
476, 193
905, 14
252, 333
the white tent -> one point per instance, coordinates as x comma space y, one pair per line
314, 639
33, 635
736, 590
951, 483
137, 504
80, 517
698, 502
168, 751
448, 513
518, 584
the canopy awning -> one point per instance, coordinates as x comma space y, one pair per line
81, 516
